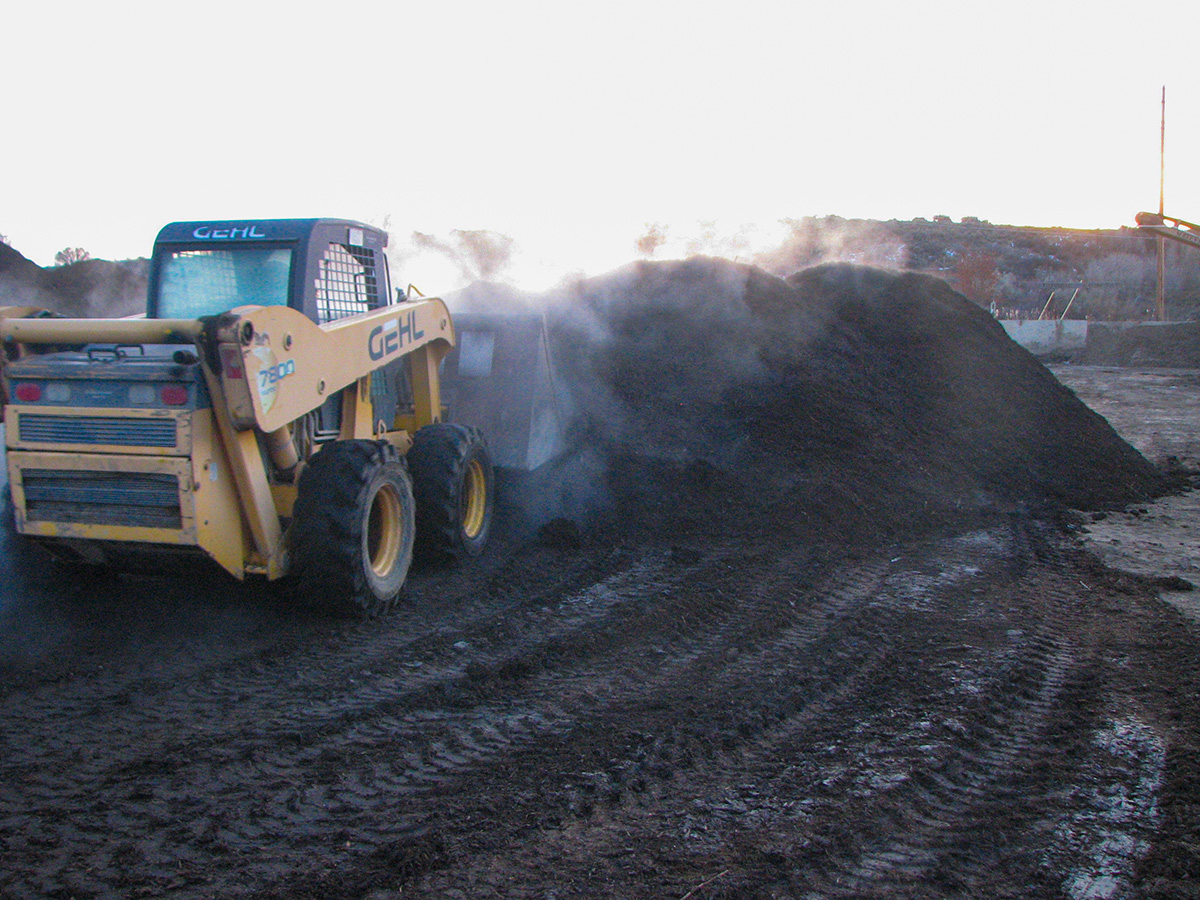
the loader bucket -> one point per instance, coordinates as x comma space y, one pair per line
500, 378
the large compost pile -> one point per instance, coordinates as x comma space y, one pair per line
852, 401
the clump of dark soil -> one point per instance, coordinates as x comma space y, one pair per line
560, 533
1166, 345
858, 402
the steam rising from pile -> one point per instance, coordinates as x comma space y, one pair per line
862, 402
478, 255
461, 257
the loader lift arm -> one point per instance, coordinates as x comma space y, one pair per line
1168, 227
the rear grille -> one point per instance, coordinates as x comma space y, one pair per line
124, 432
143, 499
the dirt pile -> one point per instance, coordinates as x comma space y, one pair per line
855, 401
93, 287
1169, 345
14, 265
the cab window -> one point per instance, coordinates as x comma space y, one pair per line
206, 282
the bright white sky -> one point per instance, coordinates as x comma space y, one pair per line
572, 126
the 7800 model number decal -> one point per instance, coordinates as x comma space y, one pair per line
270, 375
274, 374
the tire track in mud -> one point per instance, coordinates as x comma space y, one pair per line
612, 700
801, 696
215, 771
549, 703
204, 739
928, 807
629, 724
976, 815
372, 661
160, 781
821, 691
930, 817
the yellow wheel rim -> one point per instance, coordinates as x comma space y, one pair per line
385, 531
475, 495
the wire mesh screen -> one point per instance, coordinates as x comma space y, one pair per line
347, 283
196, 283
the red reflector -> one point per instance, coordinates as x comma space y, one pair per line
231, 362
174, 395
29, 393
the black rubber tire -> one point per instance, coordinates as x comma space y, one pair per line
22, 563
352, 529
454, 486
8, 524
12, 544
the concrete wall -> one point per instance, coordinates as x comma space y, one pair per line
1044, 336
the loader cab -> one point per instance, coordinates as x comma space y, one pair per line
325, 268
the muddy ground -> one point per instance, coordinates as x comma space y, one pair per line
1157, 410
689, 695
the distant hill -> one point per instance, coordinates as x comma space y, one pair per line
94, 287
1014, 267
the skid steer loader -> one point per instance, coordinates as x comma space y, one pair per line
278, 409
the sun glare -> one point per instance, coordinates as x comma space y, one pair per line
575, 137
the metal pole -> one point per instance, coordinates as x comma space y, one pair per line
100, 331
1069, 302
1160, 301
1049, 300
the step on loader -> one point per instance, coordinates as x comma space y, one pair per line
278, 409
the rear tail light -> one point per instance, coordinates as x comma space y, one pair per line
29, 393
174, 395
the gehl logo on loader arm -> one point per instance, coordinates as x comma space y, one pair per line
390, 337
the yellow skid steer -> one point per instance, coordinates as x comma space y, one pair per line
278, 409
